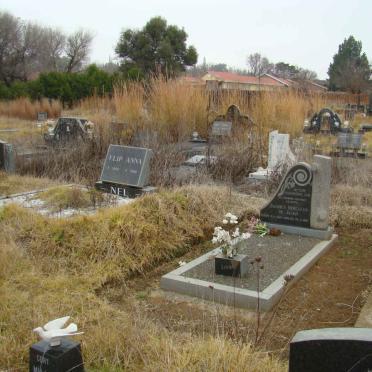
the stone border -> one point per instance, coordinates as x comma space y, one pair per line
239, 297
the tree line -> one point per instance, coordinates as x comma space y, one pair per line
38, 61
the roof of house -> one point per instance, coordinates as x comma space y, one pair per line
265, 79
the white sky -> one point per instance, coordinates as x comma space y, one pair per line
305, 33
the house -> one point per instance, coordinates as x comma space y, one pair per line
267, 82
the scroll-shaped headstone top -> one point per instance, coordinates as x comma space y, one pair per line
291, 204
125, 165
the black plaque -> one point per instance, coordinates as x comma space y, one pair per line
291, 204
62, 358
331, 350
125, 165
236, 266
119, 190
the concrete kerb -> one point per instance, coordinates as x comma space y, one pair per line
244, 298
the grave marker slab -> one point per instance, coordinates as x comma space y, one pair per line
292, 203
279, 155
221, 128
331, 350
42, 116
62, 358
125, 165
301, 203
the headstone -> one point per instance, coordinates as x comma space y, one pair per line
126, 171
62, 358
301, 203
7, 157
221, 128
331, 350
42, 116
280, 154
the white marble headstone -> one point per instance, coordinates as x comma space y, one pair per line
280, 154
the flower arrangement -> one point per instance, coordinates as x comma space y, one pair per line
230, 236
256, 226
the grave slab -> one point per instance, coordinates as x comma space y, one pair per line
228, 294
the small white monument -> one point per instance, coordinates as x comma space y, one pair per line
279, 154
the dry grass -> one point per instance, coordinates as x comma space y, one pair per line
24, 108
50, 268
13, 184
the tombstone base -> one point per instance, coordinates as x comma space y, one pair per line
236, 266
304, 231
62, 358
122, 190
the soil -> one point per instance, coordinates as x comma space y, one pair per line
277, 254
331, 294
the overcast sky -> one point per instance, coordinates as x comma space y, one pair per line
300, 32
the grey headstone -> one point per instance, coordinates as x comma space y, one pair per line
303, 196
7, 157
42, 116
221, 128
321, 195
331, 350
125, 165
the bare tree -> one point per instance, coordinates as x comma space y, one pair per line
258, 64
77, 49
54, 45
10, 48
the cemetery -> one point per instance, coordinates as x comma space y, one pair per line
187, 230
159, 234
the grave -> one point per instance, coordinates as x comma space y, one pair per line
325, 121
301, 203
300, 210
62, 358
126, 171
280, 155
349, 145
331, 350
7, 157
42, 116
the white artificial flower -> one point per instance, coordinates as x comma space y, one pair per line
182, 263
246, 235
228, 215
225, 222
236, 233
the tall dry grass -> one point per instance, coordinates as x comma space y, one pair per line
24, 108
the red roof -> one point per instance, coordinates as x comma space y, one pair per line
244, 79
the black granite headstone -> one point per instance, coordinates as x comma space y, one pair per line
125, 165
62, 358
291, 204
331, 350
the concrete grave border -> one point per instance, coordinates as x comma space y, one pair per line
243, 298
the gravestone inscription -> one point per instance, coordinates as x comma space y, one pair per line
221, 128
292, 202
126, 165
126, 171
301, 202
